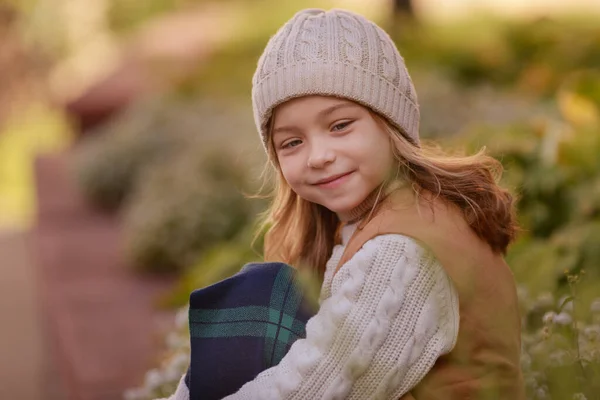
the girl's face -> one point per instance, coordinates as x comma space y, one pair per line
331, 151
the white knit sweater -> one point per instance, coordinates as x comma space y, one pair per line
385, 318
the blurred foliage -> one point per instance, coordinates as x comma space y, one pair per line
179, 186
216, 263
230, 71
108, 162
183, 206
162, 380
529, 91
126, 15
553, 166
26, 134
533, 56
561, 344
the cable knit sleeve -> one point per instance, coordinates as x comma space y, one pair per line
391, 313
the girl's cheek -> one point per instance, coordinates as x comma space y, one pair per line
289, 169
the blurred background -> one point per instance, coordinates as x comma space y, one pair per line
127, 147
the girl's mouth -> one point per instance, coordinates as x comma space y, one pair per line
334, 181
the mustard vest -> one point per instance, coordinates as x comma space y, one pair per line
485, 362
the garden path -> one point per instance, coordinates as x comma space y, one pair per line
79, 321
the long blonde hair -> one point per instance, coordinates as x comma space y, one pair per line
302, 233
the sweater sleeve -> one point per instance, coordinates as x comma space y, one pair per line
392, 312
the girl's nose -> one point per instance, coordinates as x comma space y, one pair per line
320, 157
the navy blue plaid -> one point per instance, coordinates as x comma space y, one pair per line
243, 325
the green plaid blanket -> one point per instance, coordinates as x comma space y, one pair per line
243, 325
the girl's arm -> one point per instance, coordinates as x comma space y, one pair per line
393, 311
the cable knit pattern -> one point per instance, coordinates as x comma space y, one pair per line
335, 53
385, 318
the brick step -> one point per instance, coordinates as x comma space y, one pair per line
101, 315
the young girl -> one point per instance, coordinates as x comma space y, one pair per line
416, 300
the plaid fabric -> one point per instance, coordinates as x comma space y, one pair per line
243, 325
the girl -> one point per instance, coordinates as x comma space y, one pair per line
416, 300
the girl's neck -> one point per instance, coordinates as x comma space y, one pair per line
360, 211
375, 197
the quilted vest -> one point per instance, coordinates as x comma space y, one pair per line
484, 364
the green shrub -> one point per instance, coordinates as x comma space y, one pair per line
216, 263
110, 158
161, 382
561, 344
553, 166
183, 206
532, 56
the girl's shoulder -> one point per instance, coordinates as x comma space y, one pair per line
386, 252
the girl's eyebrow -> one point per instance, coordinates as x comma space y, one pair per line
320, 115
323, 113
283, 129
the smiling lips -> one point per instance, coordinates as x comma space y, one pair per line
333, 180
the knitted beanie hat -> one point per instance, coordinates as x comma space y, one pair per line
335, 53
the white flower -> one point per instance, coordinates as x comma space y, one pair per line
595, 306
594, 355
136, 394
181, 319
175, 341
545, 299
568, 306
153, 379
541, 393
180, 361
592, 333
558, 358
563, 318
530, 381
579, 396
549, 317
172, 375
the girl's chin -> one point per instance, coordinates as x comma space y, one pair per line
339, 206
342, 210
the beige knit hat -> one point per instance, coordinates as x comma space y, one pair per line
335, 53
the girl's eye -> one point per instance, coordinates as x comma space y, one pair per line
341, 126
291, 143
